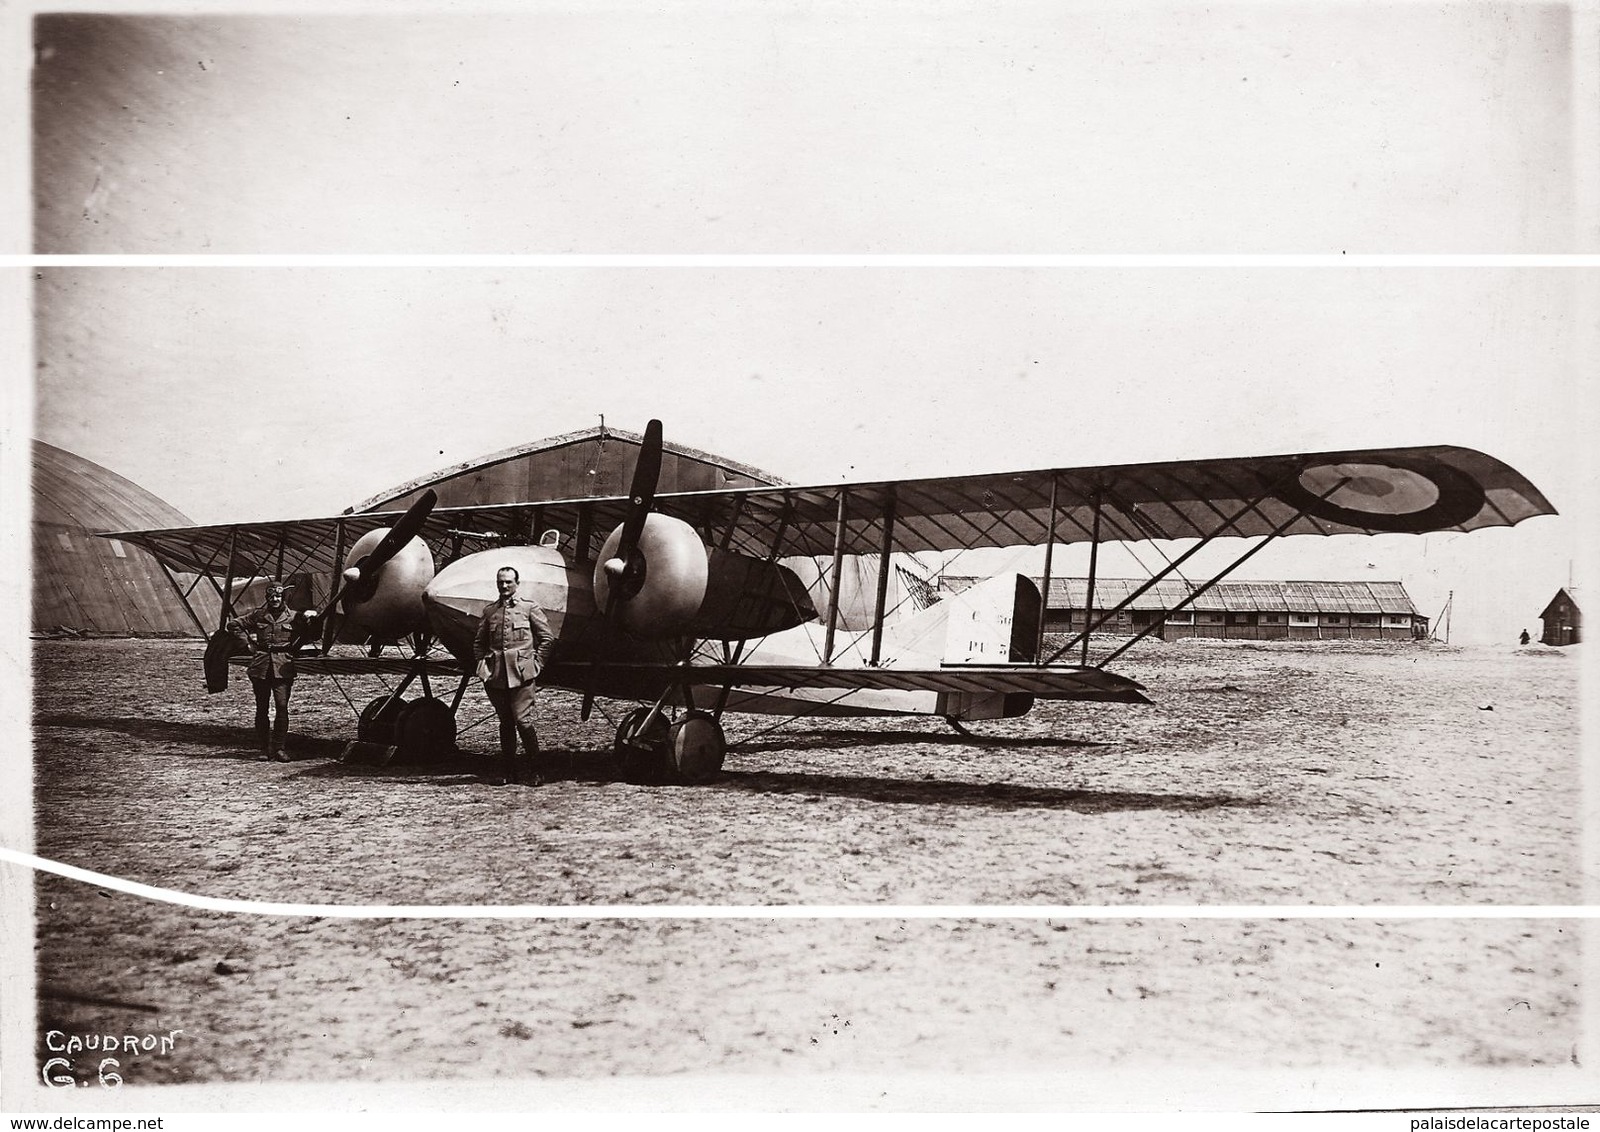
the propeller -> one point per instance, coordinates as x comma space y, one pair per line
625, 569
360, 579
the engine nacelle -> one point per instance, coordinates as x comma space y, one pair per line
394, 607
678, 587
669, 586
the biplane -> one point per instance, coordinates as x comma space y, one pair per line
695, 604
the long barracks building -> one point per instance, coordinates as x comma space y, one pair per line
1244, 610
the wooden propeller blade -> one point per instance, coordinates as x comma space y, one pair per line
408, 527
642, 492
401, 533
641, 497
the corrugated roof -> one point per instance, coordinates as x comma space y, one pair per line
1231, 596
1391, 597
1266, 597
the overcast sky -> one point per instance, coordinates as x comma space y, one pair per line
938, 126
254, 393
808, 126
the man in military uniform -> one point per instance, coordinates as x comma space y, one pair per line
511, 649
269, 630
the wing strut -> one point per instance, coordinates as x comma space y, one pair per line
1240, 561
835, 573
227, 582
783, 529
338, 572
883, 578
1094, 559
1049, 553
183, 597
158, 551
1171, 568
733, 522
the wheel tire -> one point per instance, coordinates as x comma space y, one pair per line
644, 759
376, 722
695, 747
424, 730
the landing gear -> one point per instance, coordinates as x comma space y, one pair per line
696, 746
424, 730
377, 720
955, 725
641, 738
656, 752
391, 729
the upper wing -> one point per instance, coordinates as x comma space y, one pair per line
279, 548
1410, 490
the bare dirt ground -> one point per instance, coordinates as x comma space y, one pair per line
1356, 774
1361, 773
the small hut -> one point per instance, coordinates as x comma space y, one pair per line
1563, 620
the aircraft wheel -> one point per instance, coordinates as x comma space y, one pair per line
696, 747
376, 722
643, 756
424, 729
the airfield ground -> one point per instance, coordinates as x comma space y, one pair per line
1352, 773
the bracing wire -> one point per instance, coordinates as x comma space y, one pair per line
806, 714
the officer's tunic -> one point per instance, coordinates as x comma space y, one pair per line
511, 648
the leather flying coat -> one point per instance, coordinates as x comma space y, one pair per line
269, 635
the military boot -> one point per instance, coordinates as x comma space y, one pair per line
533, 768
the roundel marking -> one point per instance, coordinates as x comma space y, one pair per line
1401, 494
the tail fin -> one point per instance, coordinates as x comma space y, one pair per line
993, 622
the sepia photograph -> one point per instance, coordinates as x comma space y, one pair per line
1378, 708
931, 127
807, 559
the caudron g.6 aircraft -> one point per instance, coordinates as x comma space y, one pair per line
694, 603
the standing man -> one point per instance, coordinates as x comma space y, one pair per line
512, 647
269, 630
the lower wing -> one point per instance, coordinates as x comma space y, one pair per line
1051, 682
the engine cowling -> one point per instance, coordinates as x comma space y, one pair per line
663, 591
676, 586
393, 608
